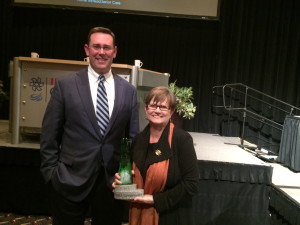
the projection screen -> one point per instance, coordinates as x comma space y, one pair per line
199, 9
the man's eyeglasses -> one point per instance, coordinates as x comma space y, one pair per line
106, 48
161, 107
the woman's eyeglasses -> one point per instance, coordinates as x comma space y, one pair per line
161, 107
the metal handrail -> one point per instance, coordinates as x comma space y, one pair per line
261, 93
246, 112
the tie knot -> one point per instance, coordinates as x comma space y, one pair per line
101, 78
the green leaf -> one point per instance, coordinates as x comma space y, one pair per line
184, 97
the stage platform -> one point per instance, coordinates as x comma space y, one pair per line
221, 153
285, 196
286, 181
236, 186
213, 147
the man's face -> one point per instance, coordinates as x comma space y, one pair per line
101, 52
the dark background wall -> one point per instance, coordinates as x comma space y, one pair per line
254, 42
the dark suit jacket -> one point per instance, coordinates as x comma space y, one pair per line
72, 151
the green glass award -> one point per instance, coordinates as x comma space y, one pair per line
125, 162
127, 190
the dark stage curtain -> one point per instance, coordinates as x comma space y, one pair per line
236, 204
259, 46
284, 210
254, 42
233, 194
289, 152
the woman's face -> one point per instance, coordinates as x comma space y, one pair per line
158, 113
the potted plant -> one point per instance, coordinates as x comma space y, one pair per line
185, 108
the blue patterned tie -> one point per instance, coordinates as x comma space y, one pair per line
102, 112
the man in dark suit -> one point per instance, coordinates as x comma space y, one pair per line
78, 162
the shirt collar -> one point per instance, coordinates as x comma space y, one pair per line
95, 75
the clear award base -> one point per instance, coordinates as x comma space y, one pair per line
127, 192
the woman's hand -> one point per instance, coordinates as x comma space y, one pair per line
146, 199
117, 180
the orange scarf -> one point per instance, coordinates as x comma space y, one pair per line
156, 178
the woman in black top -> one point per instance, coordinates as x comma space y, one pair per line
165, 166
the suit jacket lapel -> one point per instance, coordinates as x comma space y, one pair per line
83, 87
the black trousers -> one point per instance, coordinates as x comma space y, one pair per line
100, 205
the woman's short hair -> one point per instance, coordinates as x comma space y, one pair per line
160, 94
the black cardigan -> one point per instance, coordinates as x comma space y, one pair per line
174, 204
